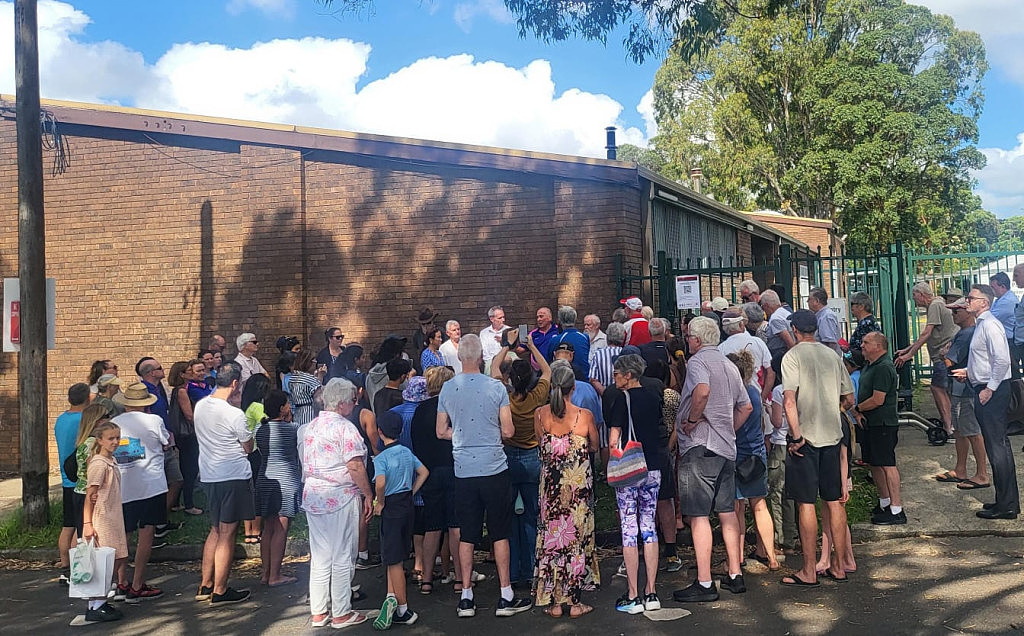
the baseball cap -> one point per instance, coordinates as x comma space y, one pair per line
390, 424
632, 302
804, 320
960, 303
953, 293
719, 304
565, 346
107, 379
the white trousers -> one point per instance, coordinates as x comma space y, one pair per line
333, 548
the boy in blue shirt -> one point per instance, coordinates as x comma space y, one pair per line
398, 476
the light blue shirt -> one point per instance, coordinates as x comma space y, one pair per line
472, 402
585, 396
1002, 309
397, 465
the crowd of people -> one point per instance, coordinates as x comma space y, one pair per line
443, 434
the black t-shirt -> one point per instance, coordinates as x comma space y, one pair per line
433, 452
654, 350
386, 399
335, 368
645, 406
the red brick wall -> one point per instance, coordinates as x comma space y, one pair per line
297, 241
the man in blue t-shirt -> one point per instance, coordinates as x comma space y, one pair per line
473, 412
65, 430
570, 334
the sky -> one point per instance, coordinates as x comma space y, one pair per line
449, 70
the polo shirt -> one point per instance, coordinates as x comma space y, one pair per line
880, 375
542, 340
581, 348
160, 406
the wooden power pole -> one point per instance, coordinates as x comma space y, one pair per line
35, 465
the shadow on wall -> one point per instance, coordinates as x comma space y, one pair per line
10, 427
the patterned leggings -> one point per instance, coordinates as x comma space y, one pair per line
637, 505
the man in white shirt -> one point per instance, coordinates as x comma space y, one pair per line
988, 371
734, 324
450, 347
224, 445
780, 338
248, 345
490, 336
598, 338
140, 458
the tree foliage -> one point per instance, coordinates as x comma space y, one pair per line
861, 111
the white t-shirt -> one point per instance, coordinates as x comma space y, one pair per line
490, 346
779, 434
140, 456
451, 355
220, 431
757, 348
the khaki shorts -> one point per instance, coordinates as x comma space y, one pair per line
172, 467
965, 422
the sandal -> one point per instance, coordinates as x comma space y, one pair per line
195, 512
829, 575
554, 611
579, 609
252, 538
968, 484
417, 576
949, 478
426, 587
795, 581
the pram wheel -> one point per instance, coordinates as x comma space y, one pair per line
937, 436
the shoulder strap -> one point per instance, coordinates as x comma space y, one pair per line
631, 435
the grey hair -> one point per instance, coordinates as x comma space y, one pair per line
563, 381
749, 286
470, 349
658, 327
922, 288
595, 317
732, 327
818, 294
753, 312
490, 312
242, 339
338, 391
706, 330
448, 325
862, 299
229, 372
770, 298
631, 364
616, 333
619, 315
566, 316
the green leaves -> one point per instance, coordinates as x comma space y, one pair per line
860, 111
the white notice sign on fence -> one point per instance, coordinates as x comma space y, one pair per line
688, 292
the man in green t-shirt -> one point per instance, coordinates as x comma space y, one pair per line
877, 415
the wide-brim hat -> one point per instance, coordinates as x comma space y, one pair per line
135, 394
415, 389
426, 315
952, 294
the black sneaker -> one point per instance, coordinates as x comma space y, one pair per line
890, 519
158, 543
165, 529
404, 619
467, 608
513, 607
204, 593
879, 510
103, 614
369, 562
230, 595
696, 593
734, 585
652, 603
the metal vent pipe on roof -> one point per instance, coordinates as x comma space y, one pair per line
695, 176
610, 146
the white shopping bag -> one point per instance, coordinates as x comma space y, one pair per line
103, 572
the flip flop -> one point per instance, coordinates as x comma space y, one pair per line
795, 581
829, 575
967, 484
949, 478
288, 580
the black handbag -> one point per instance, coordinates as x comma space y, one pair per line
750, 469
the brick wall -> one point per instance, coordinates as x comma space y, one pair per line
158, 242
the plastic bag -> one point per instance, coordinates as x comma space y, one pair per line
83, 562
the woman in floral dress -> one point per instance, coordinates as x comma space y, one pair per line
565, 537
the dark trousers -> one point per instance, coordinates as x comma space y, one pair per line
992, 418
1016, 358
188, 453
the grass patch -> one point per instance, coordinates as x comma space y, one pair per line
863, 498
15, 536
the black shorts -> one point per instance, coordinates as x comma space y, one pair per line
817, 472
439, 500
145, 512
667, 489
879, 445
74, 506
230, 501
477, 496
707, 483
396, 521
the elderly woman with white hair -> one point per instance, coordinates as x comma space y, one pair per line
336, 492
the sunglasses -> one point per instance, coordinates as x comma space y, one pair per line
340, 336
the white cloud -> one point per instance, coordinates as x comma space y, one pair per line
280, 8
312, 81
1000, 23
646, 110
999, 182
466, 12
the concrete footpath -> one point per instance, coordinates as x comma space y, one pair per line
902, 586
